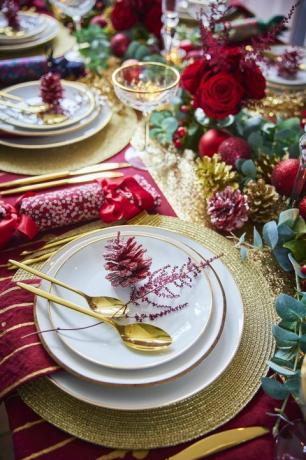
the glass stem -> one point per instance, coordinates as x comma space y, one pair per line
146, 132
77, 23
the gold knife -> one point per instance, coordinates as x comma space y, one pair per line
55, 183
61, 175
218, 442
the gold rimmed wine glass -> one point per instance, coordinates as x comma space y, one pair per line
144, 86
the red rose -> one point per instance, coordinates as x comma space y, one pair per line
232, 57
219, 95
192, 76
254, 82
152, 18
123, 15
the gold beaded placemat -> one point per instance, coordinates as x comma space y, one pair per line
194, 416
109, 141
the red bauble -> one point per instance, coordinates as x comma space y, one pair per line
210, 142
284, 174
99, 21
303, 269
233, 149
302, 208
119, 44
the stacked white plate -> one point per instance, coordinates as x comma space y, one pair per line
295, 83
35, 29
98, 368
85, 114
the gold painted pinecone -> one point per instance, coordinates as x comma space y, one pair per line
263, 201
214, 174
265, 165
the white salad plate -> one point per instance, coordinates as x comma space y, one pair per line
28, 132
102, 344
96, 125
31, 25
271, 73
209, 369
77, 103
49, 32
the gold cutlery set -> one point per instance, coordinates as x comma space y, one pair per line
88, 174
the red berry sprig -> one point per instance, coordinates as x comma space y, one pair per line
179, 137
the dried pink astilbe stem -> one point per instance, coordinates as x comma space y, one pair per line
165, 284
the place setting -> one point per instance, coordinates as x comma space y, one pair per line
22, 30
152, 231
50, 113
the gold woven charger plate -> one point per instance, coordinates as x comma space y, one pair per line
194, 416
109, 141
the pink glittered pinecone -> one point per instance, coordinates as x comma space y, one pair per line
51, 91
10, 10
228, 210
126, 261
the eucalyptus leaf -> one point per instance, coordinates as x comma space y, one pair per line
257, 240
228, 121
248, 168
270, 234
293, 384
285, 233
280, 369
201, 117
244, 253
169, 124
255, 140
288, 217
281, 256
242, 238
274, 389
296, 267
290, 309
300, 226
283, 335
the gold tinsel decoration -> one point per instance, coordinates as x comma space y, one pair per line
214, 174
265, 165
263, 201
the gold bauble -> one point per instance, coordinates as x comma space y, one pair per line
263, 201
214, 174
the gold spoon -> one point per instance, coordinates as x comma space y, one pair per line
108, 306
139, 336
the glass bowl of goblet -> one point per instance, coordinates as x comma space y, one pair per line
144, 86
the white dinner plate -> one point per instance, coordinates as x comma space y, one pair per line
144, 377
99, 122
49, 32
102, 344
271, 73
78, 102
207, 371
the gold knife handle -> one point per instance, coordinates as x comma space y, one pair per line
219, 442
